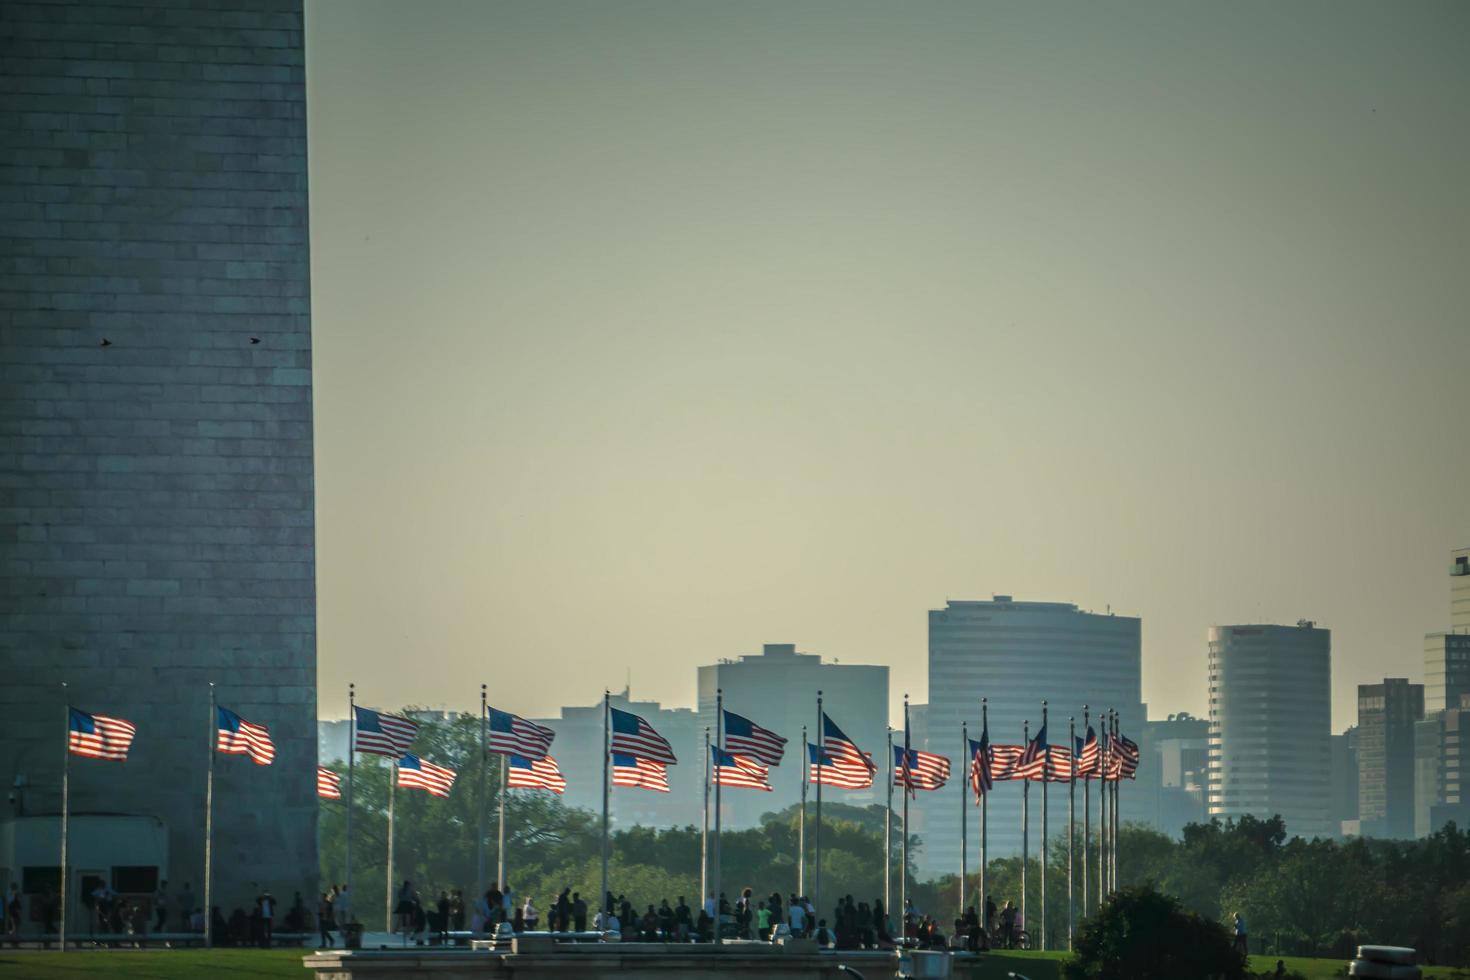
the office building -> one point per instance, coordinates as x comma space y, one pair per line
1460, 590
1452, 800
1017, 654
1387, 713
159, 531
1345, 783
777, 689
578, 753
1172, 774
1270, 724
1446, 669
1428, 751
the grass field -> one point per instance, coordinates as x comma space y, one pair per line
255, 964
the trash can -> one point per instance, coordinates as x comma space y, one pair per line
353, 934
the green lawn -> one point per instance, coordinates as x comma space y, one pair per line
1315, 969
1036, 965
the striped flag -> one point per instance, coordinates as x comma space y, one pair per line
380, 734
1087, 755
328, 784
534, 774
745, 737
981, 781
1033, 760
739, 771
630, 770
1123, 759
240, 737
1058, 764
841, 773
98, 736
1004, 760
921, 770
415, 773
513, 735
843, 749
631, 735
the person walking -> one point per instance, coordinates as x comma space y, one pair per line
12, 912
343, 907
442, 909
324, 915
1241, 942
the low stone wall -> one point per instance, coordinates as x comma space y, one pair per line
628, 961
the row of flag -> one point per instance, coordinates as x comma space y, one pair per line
641, 756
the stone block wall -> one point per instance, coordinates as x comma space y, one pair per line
156, 498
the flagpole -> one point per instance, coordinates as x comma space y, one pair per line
388, 878
1045, 784
500, 828
821, 754
1025, 826
801, 822
480, 835
964, 824
1102, 810
903, 842
720, 747
1086, 821
209, 821
606, 757
1071, 829
65, 805
984, 812
704, 831
1117, 786
888, 836
351, 753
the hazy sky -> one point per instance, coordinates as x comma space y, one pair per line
649, 332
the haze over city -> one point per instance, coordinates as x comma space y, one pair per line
644, 338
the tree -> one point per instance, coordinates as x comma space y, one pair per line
1140, 934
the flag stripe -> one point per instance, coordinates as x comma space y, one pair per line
513, 735
739, 771
240, 737
744, 737
382, 734
99, 736
328, 784
541, 773
415, 773
642, 773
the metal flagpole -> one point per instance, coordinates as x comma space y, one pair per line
500, 828
964, 840
1117, 786
66, 807
984, 815
351, 752
1102, 810
606, 758
1071, 829
888, 835
801, 824
209, 821
1045, 827
715, 769
1086, 823
903, 842
704, 830
1025, 827
388, 878
821, 754
480, 835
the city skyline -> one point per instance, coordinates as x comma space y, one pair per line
645, 336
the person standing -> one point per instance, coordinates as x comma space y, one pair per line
324, 918
1241, 942
343, 907
529, 914
441, 908
561, 918
160, 906
579, 912
12, 911
267, 917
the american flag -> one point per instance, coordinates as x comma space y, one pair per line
843, 749
1033, 759
1004, 760
328, 784
1087, 755
631, 735
98, 736
1058, 764
380, 734
739, 771
1123, 759
240, 737
415, 773
534, 774
841, 773
513, 735
981, 780
745, 737
630, 770
924, 770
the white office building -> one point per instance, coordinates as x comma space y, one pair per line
1270, 724
1016, 654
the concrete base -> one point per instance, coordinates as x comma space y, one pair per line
630, 961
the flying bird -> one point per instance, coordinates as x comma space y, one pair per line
105, 343
255, 340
